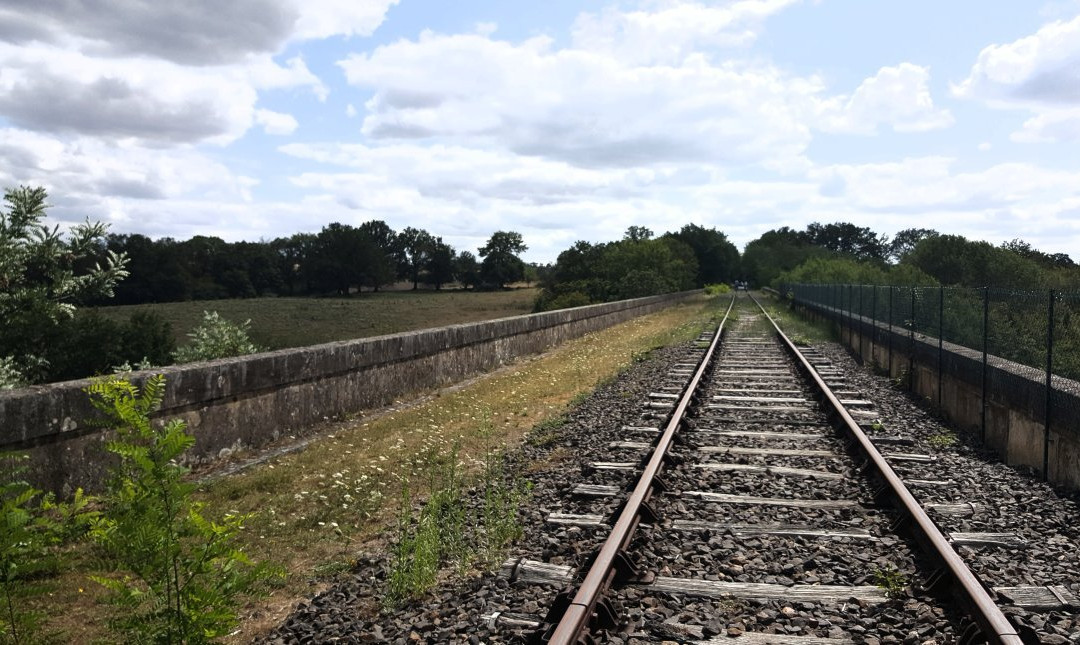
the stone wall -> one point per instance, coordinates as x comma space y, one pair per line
252, 400
1011, 418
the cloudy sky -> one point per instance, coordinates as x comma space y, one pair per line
252, 119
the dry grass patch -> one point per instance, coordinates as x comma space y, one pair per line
295, 322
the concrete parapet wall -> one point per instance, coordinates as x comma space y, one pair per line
1015, 400
250, 401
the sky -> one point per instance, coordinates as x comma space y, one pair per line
564, 121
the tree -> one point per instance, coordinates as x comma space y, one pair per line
416, 246
905, 241
440, 266
467, 269
718, 259
43, 277
637, 234
855, 241
386, 253
501, 263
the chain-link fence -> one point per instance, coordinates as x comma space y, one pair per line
1030, 338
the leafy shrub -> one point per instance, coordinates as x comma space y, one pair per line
148, 339
27, 534
567, 300
216, 338
10, 376
90, 344
188, 573
717, 289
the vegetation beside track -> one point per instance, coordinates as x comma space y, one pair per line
314, 510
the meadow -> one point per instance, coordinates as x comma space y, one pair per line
277, 323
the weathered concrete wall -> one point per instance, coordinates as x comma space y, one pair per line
1015, 402
250, 401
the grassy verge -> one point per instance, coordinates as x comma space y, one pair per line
294, 322
315, 510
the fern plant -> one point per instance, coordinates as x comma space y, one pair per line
27, 533
185, 573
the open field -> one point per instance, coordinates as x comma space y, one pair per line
315, 510
277, 323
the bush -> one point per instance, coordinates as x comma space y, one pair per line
188, 573
91, 345
216, 338
717, 289
10, 376
148, 338
567, 300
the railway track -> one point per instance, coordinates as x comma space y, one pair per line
767, 523
749, 504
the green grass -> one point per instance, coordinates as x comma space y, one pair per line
800, 330
277, 323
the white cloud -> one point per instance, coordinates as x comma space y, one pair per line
674, 31
579, 106
350, 110
90, 174
325, 18
169, 73
1038, 73
193, 32
1050, 126
276, 122
896, 96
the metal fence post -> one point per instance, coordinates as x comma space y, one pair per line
891, 289
985, 348
1049, 382
911, 349
940, 344
873, 321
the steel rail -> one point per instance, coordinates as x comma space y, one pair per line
575, 621
995, 627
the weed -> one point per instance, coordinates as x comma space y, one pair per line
503, 495
892, 581
877, 425
942, 440
579, 398
547, 432
437, 535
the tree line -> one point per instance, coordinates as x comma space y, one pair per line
46, 275
848, 254
338, 260
639, 264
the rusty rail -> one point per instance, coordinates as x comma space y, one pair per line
574, 623
995, 627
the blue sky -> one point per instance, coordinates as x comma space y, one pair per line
562, 120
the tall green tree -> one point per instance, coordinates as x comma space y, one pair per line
44, 276
416, 247
501, 264
467, 270
717, 258
385, 253
440, 266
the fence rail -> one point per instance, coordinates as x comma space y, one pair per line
1037, 332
